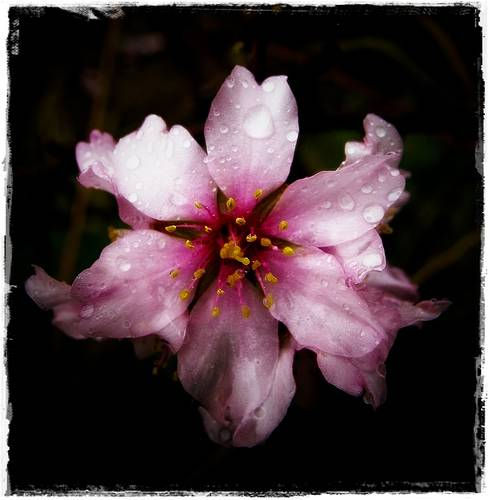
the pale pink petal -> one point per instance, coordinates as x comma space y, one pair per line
312, 299
381, 139
341, 373
162, 173
264, 419
251, 134
174, 333
129, 214
128, 291
334, 207
228, 362
360, 256
392, 281
95, 161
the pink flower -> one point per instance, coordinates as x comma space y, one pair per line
221, 250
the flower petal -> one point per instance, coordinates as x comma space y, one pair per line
251, 134
263, 420
334, 207
392, 281
95, 161
320, 311
162, 173
129, 214
128, 291
381, 139
360, 256
228, 361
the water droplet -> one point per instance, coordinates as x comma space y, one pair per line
216, 112
224, 129
224, 433
237, 106
373, 213
367, 188
178, 199
270, 150
381, 178
230, 83
124, 266
187, 144
268, 86
87, 311
234, 149
372, 260
161, 243
292, 135
259, 412
380, 132
258, 123
132, 197
347, 202
324, 283
244, 84
394, 195
327, 204
126, 323
394, 172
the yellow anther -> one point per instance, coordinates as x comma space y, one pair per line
271, 278
245, 311
265, 242
199, 273
170, 229
288, 251
258, 193
256, 264
215, 312
268, 301
231, 279
243, 260
283, 225
189, 244
251, 238
230, 204
114, 233
231, 250
174, 273
240, 221
198, 204
208, 229
184, 294
220, 292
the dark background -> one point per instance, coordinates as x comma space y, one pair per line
90, 415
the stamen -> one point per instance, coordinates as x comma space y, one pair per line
240, 221
199, 273
271, 278
245, 311
256, 264
265, 242
208, 229
184, 294
283, 225
258, 193
251, 238
198, 204
268, 301
174, 273
215, 312
230, 204
114, 233
170, 229
288, 251
189, 244
220, 292
234, 278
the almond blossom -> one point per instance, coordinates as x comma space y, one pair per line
220, 250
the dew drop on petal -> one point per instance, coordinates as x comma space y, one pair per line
346, 202
259, 412
324, 283
126, 323
372, 260
367, 188
380, 132
124, 266
292, 135
373, 213
224, 129
244, 84
87, 311
230, 83
132, 197
258, 123
394, 172
268, 86
187, 144
394, 195
132, 162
